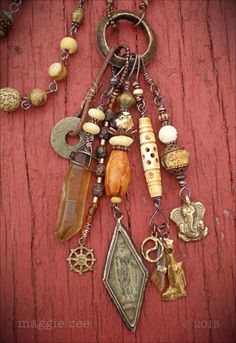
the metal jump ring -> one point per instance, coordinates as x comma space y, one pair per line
118, 61
188, 193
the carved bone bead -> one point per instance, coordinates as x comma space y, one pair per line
150, 159
117, 173
167, 134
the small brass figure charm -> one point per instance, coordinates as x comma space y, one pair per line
190, 220
176, 276
81, 259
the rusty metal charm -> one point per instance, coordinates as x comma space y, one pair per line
190, 220
125, 276
81, 259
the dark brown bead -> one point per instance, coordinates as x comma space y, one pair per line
104, 134
98, 190
101, 151
109, 114
100, 170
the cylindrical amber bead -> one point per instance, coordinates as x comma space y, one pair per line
117, 173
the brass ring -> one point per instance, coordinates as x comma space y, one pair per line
118, 61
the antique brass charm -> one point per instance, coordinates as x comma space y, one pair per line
125, 276
190, 220
176, 277
81, 259
157, 246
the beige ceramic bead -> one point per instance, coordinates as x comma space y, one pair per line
138, 91
9, 99
92, 128
70, 44
38, 96
57, 71
121, 140
96, 114
116, 200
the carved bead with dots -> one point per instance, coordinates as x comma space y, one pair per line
167, 134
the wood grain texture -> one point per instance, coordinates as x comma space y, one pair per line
195, 68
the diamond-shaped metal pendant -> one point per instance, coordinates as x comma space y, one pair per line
125, 276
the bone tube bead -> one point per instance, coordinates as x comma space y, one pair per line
150, 159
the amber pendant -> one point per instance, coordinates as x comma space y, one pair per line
71, 209
125, 276
158, 276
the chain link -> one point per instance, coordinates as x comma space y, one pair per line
15, 6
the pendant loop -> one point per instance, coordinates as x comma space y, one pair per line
118, 61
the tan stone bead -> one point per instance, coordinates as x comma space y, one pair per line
96, 114
116, 200
57, 71
92, 128
70, 44
9, 99
121, 140
38, 96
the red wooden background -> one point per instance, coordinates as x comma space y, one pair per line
195, 67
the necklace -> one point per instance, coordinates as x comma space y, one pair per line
125, 275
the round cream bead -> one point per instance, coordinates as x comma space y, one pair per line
116, 200
96, 114
92, 128
121, 140
70, 44
138, 91
167, 134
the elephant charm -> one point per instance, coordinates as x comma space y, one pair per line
190, 220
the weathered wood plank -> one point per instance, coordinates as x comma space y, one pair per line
195, 68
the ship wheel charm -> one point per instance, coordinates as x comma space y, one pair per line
81, 259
